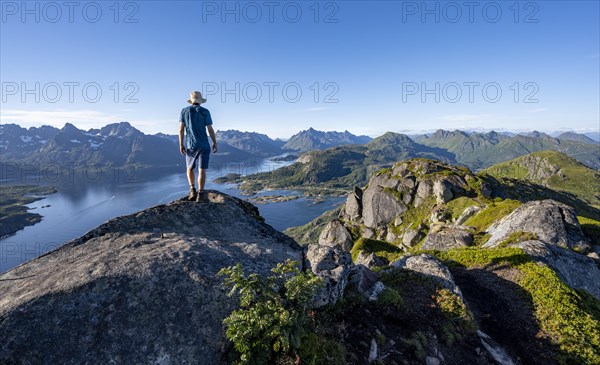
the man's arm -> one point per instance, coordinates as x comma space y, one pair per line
181, 131
211, 132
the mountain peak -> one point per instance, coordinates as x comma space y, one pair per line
69, 127
312, 139
572, 136
121, 129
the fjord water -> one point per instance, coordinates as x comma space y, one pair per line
82, 204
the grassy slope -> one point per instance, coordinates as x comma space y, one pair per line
570, 318
573, 177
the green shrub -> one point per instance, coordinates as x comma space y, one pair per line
455, 310
315, 350
390, 297
417, 344
273, 312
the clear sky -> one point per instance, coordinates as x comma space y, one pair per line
277, 67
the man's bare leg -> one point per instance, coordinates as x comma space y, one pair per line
191, 177
201, 179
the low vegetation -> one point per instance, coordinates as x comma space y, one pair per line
491, 213
457, 206
566, 316
379, 248
275, 323
591, 229
553, 170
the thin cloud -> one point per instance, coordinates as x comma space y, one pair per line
537, 110
83, 118
317, 109
463, 117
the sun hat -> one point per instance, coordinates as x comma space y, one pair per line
196, 97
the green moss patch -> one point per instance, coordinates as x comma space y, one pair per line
457, 206
391, 297
518, 236
413, 217
591, 229
379, 248
494, 211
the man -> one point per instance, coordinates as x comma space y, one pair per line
194, 122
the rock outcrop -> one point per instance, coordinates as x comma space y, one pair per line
139, 289
334, 234
333, 264
380, 206
445, 237
365, 282
379, 210
551, 221
369, 260
578, 271
430, 267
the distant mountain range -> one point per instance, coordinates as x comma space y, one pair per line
336, 170
122, 144
115, 144
480, 150
311, 139
254, 143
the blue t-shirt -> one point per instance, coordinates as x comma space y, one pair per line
196, 118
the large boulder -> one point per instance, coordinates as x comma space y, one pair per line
430, 267
139, 289
445, 237
551, 221
412, 236
442, 191
365, 282
369, 260
467, 213
423, 192
380, 206
332, 264
353, 206
577, 270
334, 234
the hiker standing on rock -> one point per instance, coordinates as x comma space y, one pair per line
194, 122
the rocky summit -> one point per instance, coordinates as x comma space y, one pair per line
139, 289
520, 275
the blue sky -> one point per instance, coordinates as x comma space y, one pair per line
362, 66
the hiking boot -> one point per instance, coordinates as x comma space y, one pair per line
201, 196
193, 195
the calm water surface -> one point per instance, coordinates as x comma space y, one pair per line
82, 204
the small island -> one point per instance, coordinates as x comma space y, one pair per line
14, 214
232, 178
273, 199
286, 158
